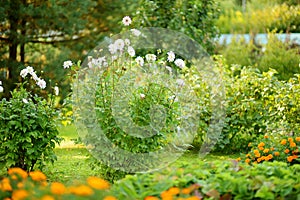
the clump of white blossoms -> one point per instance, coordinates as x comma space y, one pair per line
179, 63
131, 51
67, 64
56, 90
29, 70
135, 32
126, 21
140, 61
1, 88
150, 57
171, 56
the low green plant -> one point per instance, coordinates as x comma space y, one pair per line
28, 130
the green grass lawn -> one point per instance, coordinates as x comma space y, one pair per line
71, 165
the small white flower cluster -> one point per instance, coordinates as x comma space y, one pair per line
29, 70
67, 64
97, 62
178, 62
119, 45
126, 21
150, 57
1, 88
56, 90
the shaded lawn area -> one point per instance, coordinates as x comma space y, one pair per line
71, 165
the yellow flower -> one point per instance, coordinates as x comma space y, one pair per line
238, 159
5, 185
186, 191
114, 198
293, 144
248, 155
37, 176
98, 183
266, 151
174, 190
18, 171
247, 160
19, 194
58, 188
286, 151
81, 190
283, 142
47, 197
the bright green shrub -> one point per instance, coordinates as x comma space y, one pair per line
216, 180
279, 56
28, 131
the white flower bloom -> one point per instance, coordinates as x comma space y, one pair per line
112, 48
174, 98
140, 60
135, 32
0, 82
127, 42
131, 51
113, 58
99, 62
180, 82
169, 69
30, 69
41, 83
1, 89
25, 100
23, 73
142, 96
179, 63
171, 56
119, 44
34, 76
150, 57
126, 21
56, 90
67, 64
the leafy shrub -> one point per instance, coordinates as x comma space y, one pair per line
279, 56
216, 180
281, 17
270, 148
28, 132
195, 18
20, 185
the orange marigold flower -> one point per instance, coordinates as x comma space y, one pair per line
272, 148
261, 148
186, 191
192, 198
276, 153
58, 188
257, 155
261, 144
20, 185
259, 160
266, 151
166, 194
238, 159
283, 142
298, 139
47, 197
266, 136
286, 151
37, 176
18, 171
290, 139
290, 158
248, 155
81, 190
270, 156
151, 198
114, 198
249, 145
255, 151
293, 144
174, 190
5, 185
98, 183
19, 194
248, 160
